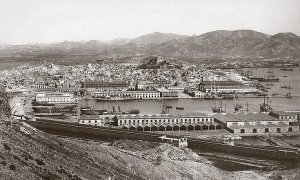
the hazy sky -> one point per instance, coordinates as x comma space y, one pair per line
38, 21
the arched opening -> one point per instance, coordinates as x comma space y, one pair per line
267, 130
154, 128
132, 128
219, 126
212, 127
183, 127
197, 127
242, 130
176, 128
124, 127
290, 129
146, 128
191, 128
204, 127
254, 130
161, 128
278, 130
140, 128
169, 128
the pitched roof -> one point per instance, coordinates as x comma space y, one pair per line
244, 117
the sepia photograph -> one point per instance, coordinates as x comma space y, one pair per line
150, 89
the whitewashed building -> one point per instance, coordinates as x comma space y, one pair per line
55, 98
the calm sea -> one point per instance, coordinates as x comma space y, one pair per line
292, 79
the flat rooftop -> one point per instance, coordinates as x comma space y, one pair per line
151, 116
53, 95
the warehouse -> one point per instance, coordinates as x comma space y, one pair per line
167, 122
253, 123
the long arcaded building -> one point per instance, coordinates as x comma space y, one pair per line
167, 122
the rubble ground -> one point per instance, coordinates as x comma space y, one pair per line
27, 153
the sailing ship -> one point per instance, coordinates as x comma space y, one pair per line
240, 108
165, 108
265, 107
218, 109
86, 109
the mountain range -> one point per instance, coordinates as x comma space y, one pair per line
215, 44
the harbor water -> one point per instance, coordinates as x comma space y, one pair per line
278, 102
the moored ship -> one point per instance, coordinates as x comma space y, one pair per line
218, 109
265, 107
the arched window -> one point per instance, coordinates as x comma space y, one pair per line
242, 130
278, 130
266, 130
254, 130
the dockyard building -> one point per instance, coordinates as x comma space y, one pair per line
55, 98
56, 87
126, 95
292, 116
225, 87
167, 93
105, 85
253, 123
96, 120
197, 94
167, 122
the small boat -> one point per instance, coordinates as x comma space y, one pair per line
286, 69
284, 86
288, 95
228, 97
180, 108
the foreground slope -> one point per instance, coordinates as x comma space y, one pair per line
41, 156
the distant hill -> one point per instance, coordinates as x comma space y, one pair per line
279, 45
240, 43
156, 38
216, 44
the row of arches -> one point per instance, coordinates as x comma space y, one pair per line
267, 130
174, 128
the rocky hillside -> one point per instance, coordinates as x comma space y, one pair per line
27, 153
4, 105
241, 43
